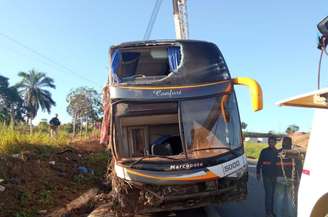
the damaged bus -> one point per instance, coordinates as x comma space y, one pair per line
175, 131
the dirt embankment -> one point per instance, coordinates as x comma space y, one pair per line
35, 183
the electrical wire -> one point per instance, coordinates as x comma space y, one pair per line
322, 45
50, 60
319, 67
152, 19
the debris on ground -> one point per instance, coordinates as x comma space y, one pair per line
75, 204
39, 182
42, 212
85, 170
2, 188
102, 211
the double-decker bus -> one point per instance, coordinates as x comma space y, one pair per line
175, 129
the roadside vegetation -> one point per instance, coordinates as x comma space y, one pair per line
40, 172
21, 102
253, 149
15, 141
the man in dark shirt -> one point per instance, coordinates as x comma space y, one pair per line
267, 165
54, 124
289, 167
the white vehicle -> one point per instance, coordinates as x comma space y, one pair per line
313, 189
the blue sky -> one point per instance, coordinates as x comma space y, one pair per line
273, 42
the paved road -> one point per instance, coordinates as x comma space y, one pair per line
253, 206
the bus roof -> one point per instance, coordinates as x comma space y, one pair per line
131, 44
315, 99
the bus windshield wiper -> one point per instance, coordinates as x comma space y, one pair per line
214, 148
151, 156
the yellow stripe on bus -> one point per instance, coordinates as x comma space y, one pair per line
170, 87
208, 176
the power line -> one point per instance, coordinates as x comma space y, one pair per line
152, 19
45, 57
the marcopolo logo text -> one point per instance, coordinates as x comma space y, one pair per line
186, 166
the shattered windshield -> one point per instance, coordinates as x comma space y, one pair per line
131, 65
211, 124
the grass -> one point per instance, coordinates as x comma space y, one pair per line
16, 141
253, 149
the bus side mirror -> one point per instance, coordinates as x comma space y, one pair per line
255, 91
323, 26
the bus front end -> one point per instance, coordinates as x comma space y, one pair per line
176, 142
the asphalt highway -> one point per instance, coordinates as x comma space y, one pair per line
253, 206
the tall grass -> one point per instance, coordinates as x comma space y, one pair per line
14, 141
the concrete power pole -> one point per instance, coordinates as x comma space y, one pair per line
180, 16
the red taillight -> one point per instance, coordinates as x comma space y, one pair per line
306, 172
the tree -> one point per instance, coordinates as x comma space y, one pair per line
34, 90
4, 83
4, 115
84, 104
292, 128
11, 109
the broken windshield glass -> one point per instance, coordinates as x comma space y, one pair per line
129, 65
205, 127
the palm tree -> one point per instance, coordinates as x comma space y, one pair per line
33, 88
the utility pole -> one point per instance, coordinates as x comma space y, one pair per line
180, 17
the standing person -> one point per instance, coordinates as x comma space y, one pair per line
288, 174
54, 124
267, 166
